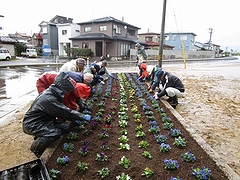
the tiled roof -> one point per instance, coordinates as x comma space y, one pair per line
91, 36
7, 39
107, 19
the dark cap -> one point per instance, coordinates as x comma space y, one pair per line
97, 67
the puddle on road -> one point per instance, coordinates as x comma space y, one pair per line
16, 82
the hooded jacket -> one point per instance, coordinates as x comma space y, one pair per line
145, 73
49, 105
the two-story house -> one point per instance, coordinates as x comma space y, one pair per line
152, 41
181, 38
107, 36
66, 31
49, 32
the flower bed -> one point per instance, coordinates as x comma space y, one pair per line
133, 136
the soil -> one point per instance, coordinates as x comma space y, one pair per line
138, 162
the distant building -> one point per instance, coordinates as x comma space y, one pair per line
181, 38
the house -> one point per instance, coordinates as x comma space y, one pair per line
49, 32
106, 36
152, 41
66, 31
181, 38
8, 43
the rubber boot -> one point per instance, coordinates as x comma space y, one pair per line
174, 102
40, 144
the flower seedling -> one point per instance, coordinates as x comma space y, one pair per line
167, 125
202, 174
125, 162
63, 161
143, 144
123, 139
83, 150
123, 176
54, 174
139, 128
81, 166
149, 113
94, 124
140, 134
164, 147
134, 109
104, 146
72, 135
123, 132
180, 142
175, 132
104, 172
154, 129
137, 116
124, 146
101, 157
123, 123
147, 172
102, 135
171, 164
68, 147
160, 138
188, 157
147, 154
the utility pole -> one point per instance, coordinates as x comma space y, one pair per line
162, 34
210, 38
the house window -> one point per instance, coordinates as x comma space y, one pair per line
44, 29
183, 37
174, 37
64, 32
102, 28
85, 45
166, 38
149, 39
131, 32
124, 49
75, 46
88, 29
117, 29
77, 30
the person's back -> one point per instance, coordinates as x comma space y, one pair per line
76, 65
45, 80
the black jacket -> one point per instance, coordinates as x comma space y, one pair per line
170, 80
49, 105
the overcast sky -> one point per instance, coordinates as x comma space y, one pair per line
195, 16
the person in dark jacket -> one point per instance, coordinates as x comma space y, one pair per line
40, 119
171, 86
155, 78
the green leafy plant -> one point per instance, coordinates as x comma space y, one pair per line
140, 134
101, 157
188, 157
143, 144
68, 147
123, 132
147, 172
72, 135
171, 164
164, 147
123, 139
180, 142
83, 150
125, 162
123, 176
102, 135
124, 146
81, 166
104, 172
175, 132
54, 174
202, 174
63, 160
147, 154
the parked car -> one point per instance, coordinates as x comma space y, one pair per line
5, 54
29, 53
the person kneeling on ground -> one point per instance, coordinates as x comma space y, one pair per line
145, 74
171, 86
40, 119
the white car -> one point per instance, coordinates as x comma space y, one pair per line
5, 54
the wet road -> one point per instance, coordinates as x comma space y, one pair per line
17, 82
